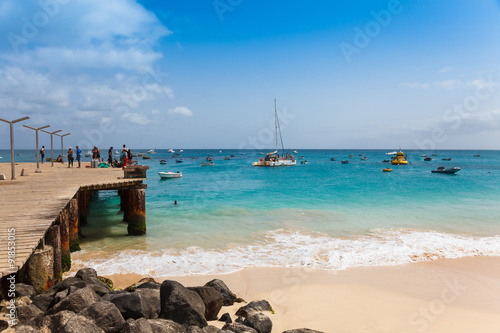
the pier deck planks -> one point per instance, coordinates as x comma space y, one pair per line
31, 204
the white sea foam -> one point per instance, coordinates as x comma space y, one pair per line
281, 248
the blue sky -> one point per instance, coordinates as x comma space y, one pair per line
418, 74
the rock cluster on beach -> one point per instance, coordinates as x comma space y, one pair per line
88, 303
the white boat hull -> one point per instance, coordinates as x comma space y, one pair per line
170, 175
275, 163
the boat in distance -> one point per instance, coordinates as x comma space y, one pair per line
274, 159
207, 164
170, 175
400, 158
446, 170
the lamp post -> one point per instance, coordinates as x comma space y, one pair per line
37, 152
52, 145
12, 164
62, 150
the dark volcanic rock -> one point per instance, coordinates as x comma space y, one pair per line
137, 326
86, 274
260, 322
302, 330
28, 313
149, 285
238, 328
3, 324
99, 289
69, 322
76, 301
132, 305
24, 290
211, 329
226, 317
255, 306
71, 281
166, 326
140, 283
43, 301
105, 315
181, 305
152, 298
228, 297
212, 300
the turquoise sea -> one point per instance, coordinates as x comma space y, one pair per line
322, 215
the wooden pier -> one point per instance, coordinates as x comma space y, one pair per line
41, 214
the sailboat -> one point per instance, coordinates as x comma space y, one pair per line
273, 159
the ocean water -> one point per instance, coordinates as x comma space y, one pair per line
323, 215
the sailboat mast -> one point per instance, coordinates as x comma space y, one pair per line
276, 123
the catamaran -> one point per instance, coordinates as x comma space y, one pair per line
273, 159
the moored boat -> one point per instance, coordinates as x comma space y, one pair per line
428, 158
344, 162
179, 161
170, 175
446, 159
387, 170
274, 159
206, 164
400, 158
446, 170
163, 162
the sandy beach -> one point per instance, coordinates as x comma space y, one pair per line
449, 295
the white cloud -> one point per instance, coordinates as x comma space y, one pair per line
136, 118
181, 112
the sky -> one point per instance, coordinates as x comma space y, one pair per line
416, 74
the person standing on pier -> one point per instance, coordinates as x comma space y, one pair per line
78, 155
70, 157
110, 156
125, 156
42, 153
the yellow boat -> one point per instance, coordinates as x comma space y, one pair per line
400, 159
387, 170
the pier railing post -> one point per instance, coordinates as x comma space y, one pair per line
135, 212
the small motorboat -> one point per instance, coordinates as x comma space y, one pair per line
261, 153
163, 162
179, 161
151, 151
88, 154
227, 158
434, 154
387, 170
194, 157
180, 151
170, 175
295, 151
209, 159
232, 155
176, 154
446, 159
344, 162
303, 162
446, 170
146, 157
170, 150
428, 158
206, 164
386, 161
423, 155
332, 159
477, 155
363, 158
